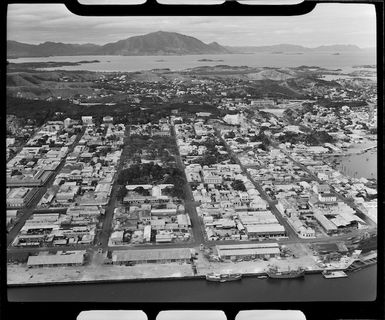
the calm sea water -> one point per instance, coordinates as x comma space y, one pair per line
359, 286
136, 63
360, 165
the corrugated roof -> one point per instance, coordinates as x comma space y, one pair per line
261, 228
325, 222
151, 254
247, 246
77, 258
249, 252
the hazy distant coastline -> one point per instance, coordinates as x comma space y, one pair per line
157, 43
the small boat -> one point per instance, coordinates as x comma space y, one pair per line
333, 274
262, 277
273, 273
223, 277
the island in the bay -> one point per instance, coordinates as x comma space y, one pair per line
210, 60
209, 172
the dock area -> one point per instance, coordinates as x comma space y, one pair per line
364, 262
334, 274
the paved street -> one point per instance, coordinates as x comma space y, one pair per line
28, 211
289, 230
339, 196
105, 232
190, 206
197, 229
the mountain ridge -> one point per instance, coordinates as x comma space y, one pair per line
154, 43
292, 48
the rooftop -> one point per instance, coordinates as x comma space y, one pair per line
151, 254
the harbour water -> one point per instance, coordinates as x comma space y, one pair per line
344, 61
359, 165
359, 286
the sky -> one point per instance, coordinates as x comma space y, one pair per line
327, 24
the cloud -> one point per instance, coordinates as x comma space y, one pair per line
326, 24
294, 31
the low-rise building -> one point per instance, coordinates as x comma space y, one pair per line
73, 258
20, 197
248, 251
181, 255
273, 230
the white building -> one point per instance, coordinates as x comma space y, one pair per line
86, 120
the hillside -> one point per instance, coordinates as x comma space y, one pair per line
161, 43
156, 43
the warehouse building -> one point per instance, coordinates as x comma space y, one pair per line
20, 197
73, 258
181, 255
248, 251
273, 230
325, 223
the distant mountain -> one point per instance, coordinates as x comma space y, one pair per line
18, 49
217, 47
273, 48
292, 48
156, 43
161, 43
338, 47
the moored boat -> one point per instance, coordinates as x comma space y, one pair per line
223, 277
333, 274
273, 273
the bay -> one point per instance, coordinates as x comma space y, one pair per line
344, 61
359, 165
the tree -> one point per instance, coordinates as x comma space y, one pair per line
122, 192
241, 140
230, 135
142, 191
238, 185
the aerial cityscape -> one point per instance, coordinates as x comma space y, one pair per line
163, 156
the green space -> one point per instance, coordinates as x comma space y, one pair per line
151, 173
150, 148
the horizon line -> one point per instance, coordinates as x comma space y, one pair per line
223, 45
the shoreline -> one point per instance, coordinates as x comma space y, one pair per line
151, 279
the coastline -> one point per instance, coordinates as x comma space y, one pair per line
165, 278
112, 281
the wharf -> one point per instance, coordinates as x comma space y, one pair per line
30, 282
174, 278
100, 281
360, 264
19, 275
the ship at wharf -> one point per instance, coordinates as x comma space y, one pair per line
274, 273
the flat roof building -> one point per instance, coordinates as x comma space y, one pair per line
20, 197
248, 251
57, 260
325, 223
265, 230
151, 256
